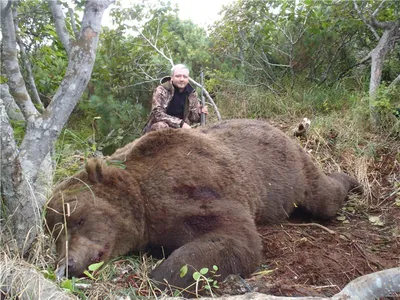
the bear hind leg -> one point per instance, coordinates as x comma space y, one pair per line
329, 194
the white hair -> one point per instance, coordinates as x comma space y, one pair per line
179, 66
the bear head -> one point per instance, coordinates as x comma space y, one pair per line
95, 216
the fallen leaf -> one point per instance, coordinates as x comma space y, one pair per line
375, 220
341, 218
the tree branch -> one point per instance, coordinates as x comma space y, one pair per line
12, 109
325, 74
376, 35
383, 25
395, 81
59, 21
378, 9
155, 47
7, 6
145, 73
27, 65
10, 61
363, 61
73, 23
207, 96
372, 286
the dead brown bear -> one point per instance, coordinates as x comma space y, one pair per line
197, 193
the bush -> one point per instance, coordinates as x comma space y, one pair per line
117, 122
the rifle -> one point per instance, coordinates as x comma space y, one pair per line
203, 102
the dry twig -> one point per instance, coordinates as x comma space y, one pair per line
311, 224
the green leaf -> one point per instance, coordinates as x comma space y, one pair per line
196, 276
86, 272
49, 275
204, 271
67, 284
184, 271
215, 268
96, 266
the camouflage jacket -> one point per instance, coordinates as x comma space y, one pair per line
161, 99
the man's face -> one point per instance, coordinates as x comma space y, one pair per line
180, 78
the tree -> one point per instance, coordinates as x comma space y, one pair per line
26, 169
387, 34
272, 40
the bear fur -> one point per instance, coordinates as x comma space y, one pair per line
198, 194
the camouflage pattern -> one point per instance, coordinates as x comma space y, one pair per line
161, 98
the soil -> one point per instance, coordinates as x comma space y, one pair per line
307, 260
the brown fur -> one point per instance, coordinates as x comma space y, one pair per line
197, 193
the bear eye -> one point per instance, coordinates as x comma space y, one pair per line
80, 222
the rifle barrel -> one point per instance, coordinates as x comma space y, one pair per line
203, 102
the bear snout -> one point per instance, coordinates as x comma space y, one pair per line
68, 267
72, 266
82, 253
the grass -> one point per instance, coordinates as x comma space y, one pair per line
119, 277
73, 149
340, 138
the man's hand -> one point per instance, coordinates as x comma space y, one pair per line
204, 110
186, 126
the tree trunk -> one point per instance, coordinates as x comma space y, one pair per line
19, 280
386, 42
26, 171
377, 61
12, 109
22, 211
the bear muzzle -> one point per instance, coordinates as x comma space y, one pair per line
68, 268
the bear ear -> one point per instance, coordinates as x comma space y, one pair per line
94, 168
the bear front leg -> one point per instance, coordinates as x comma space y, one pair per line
234, 252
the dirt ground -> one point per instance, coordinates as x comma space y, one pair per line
311, 261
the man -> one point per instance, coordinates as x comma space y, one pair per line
175, 103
